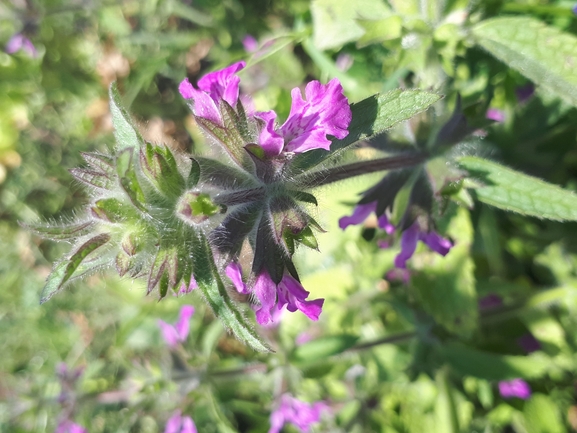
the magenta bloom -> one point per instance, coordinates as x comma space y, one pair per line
212, 88
180, 424
324, 112
20, 42
361, 213
177, 333
250, 44
409, 244
515, 388
529, 343
490, 301
296, 412
288, 292
273, 297
184, 290
68, 426
496, 115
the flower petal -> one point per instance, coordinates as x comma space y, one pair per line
188, 425
436, 242
409, 240
182, 326
265, 292
360, 214
325, 112
169, 333
269, 139
234, 272
223, 84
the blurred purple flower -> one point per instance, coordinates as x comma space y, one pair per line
212, 88
180, 424
496, 115
398, 274
574, 10
325, 112
184, 290
68, 426
296, 412
177, 333
489, 301
409, 240
344, 62
250, 44
303, 337
524, 92
361, 213
20, 42
529, 343
515, 388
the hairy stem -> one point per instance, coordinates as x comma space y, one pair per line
342, 172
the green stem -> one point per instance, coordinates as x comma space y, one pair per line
342, 172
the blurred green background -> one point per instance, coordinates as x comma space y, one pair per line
387, 357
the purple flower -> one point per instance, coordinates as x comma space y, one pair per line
324, 112
515, 388
344, 62
361, 213
529, 343
524, 92
409, 244
273, 297
574, 10
184, 290
20, 42
180, 424
173, 335
496, 115
288, 292
68, 426
490, 301
212, 88
250, 44
296, 412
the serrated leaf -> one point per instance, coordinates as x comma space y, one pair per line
100, 162
490, 366
542, 53
372, 116
163, 272
124, 131
511, 190
64, 270
445, 286
218, 298
62, 232
323, 347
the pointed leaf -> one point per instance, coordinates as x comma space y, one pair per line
60, 233
163, 272
93, 178
194, 174
542, 53
100, 162
124, 131
114, 211
511, 190
64, 270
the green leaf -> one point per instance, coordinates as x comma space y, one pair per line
542, 415
335, 20
92, 178
542, 53
323, 347
114, 211
381, 30
60, 232
124, 131
446, 285
490, 366
218, 298
510, 190
64, 270
128, 178
373, 116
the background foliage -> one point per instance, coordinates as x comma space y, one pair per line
385, 356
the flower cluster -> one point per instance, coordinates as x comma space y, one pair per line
413, 229
296, 412
180, 424
515, 388
265, 211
